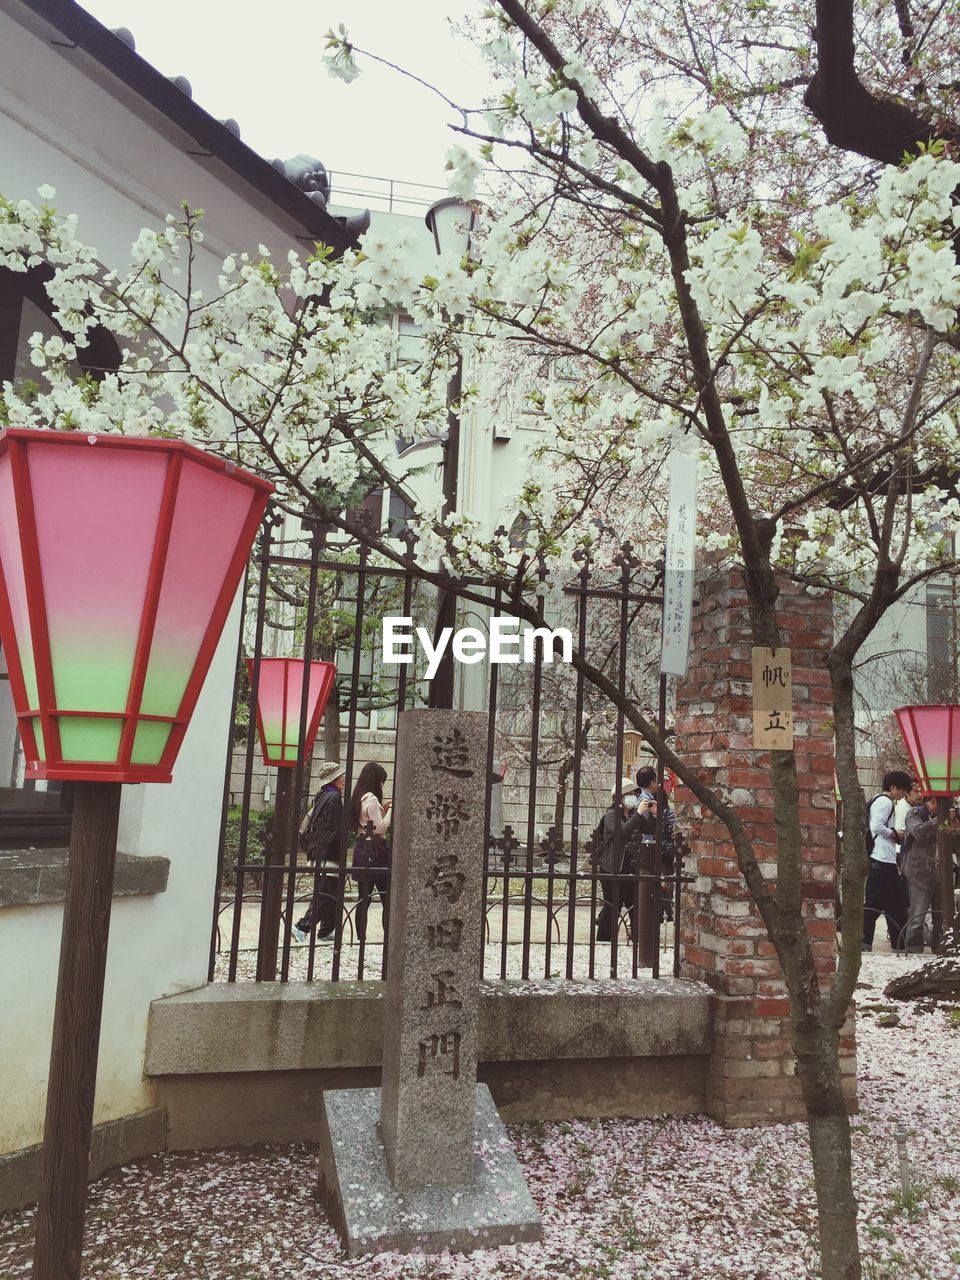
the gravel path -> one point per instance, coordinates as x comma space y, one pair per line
659, 1199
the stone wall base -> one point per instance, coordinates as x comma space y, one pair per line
114, 1143
601, 1088
245, 1108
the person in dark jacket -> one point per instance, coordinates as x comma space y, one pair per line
630, 815
321, 839
920, 867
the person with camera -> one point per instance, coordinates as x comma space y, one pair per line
629, 815
920, 867
371, 815
647, 781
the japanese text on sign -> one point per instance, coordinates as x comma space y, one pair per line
772, 700
679, 564
450, 754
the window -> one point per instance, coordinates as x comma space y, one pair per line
519, 405
367, 515
378, 688
399, 515
33, 813
378, 682
409, 334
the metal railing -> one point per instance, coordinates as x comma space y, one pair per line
390, 195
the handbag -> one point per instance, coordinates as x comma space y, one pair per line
371, 857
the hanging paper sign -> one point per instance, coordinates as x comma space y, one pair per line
632, 750
772, 700
678, 568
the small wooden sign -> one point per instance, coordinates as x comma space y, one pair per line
772, 700
633, 748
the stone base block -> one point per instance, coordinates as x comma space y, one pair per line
371, 1217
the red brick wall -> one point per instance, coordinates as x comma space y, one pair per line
723, 938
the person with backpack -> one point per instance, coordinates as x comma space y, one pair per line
320, 840
886, 891
370, 815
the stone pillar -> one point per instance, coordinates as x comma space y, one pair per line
424, 1163
428, 1101
724, 943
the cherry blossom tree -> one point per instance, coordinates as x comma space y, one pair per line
798, 324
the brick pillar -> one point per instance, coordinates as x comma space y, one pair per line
724, 943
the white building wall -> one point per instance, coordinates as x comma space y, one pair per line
118, 174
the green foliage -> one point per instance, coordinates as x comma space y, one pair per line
256, 835
27, 390
912, 1205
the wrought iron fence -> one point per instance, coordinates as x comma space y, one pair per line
543, 887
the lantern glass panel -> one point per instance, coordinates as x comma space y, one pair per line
909, 732
16, 586
89, 497
149, 742
199, 552
90, 737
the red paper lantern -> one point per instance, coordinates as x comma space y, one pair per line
279, 693
119, 560
932, 737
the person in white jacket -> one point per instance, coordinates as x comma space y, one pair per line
886, 892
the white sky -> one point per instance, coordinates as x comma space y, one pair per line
260, 62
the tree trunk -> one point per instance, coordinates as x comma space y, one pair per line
560, 806
818, 1058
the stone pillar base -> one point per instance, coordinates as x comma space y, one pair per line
371, 1217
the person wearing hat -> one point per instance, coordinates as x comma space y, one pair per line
630, 814
320, 838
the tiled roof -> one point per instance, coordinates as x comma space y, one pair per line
300, 186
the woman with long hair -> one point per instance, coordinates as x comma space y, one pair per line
371, 856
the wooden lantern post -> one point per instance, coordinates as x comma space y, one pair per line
286, 694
